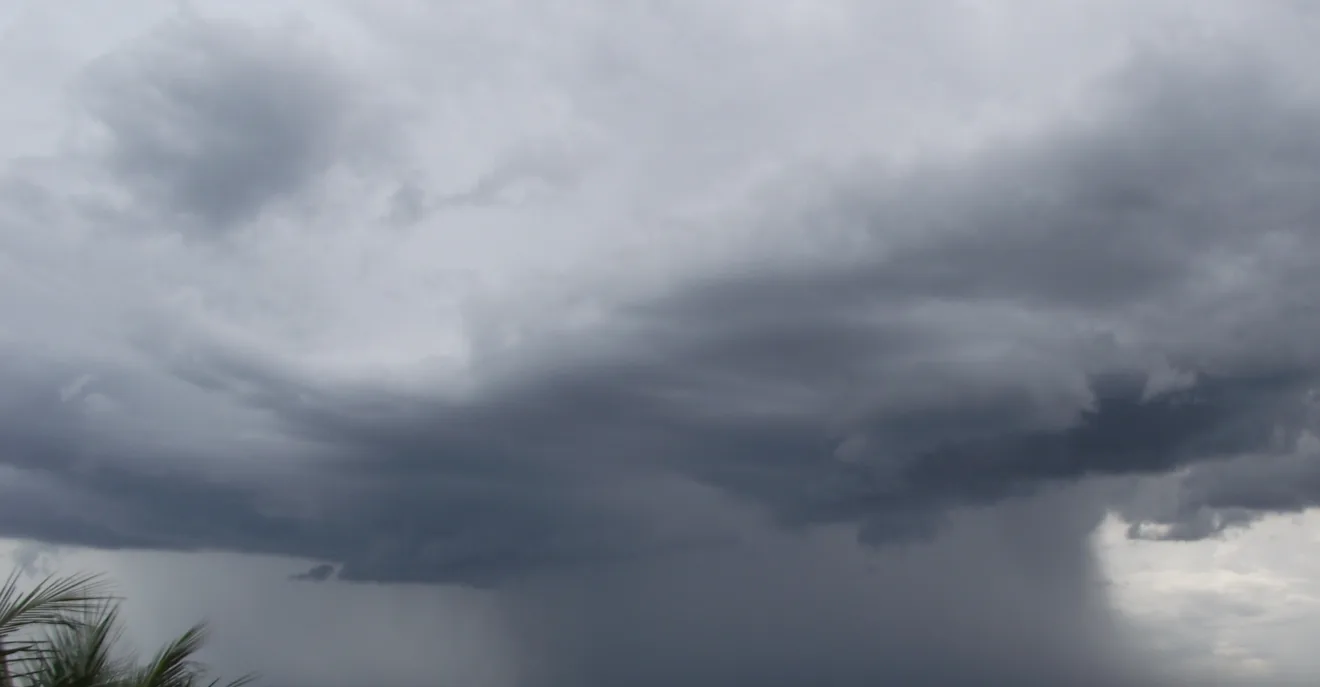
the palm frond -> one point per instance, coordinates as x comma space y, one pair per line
54, 601
80, 654
173, 665
63, 633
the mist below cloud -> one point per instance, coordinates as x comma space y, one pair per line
1006, 595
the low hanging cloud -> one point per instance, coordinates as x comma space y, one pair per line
901, 392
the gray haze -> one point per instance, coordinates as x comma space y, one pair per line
1004, 597
716, 370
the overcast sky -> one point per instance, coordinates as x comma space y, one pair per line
712, 342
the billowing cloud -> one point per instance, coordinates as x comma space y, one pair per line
728, 324
212, 121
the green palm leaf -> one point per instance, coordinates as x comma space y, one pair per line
52, 601
79, 654
63, 633
174, 666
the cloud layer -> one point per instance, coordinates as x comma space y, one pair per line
655, 286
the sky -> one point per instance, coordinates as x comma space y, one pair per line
654, 342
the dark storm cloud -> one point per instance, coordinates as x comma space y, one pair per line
214, 121
945, 366
676, 493
1278, 475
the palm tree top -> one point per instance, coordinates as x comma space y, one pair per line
64, 632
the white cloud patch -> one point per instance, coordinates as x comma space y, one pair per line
1246, 603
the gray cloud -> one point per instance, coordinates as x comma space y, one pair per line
317, 573
701, 461
215, 121
943, 360
1206, 500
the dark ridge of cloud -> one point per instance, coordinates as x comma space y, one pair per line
215, 121
318, 573
1205, 500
